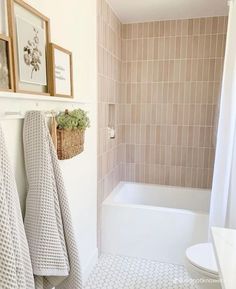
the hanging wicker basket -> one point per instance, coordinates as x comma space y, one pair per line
70, 142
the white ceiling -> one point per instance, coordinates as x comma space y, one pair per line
150, 10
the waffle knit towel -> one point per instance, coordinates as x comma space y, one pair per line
15, 265
48, 223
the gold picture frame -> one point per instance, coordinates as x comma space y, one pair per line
6, 65
23, 15
61, 71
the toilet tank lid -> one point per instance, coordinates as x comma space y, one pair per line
202, 256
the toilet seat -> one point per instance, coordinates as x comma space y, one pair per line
202, 257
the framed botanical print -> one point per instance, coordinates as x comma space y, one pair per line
6, 71
30, 31
61, 71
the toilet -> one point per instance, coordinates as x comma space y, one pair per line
201, 266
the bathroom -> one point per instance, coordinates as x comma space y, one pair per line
153, 191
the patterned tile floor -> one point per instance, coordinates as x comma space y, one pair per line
116, 272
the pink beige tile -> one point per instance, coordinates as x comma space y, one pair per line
165, 78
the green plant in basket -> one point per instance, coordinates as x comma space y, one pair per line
75, 119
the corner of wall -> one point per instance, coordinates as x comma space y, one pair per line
88, 268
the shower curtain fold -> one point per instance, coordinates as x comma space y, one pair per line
48, 221
15, 264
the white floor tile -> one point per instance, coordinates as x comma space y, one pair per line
116, 272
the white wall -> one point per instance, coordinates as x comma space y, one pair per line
73, 26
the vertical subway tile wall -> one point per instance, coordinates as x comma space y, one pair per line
109, 81
171, 80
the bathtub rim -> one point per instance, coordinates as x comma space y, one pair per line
109, 201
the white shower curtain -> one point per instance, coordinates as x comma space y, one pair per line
221, 189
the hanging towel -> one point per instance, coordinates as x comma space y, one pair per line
15, 265
48, 222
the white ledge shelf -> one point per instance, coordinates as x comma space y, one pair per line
44, 98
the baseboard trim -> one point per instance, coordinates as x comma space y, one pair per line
89, 266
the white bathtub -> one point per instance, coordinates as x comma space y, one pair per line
154, 222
